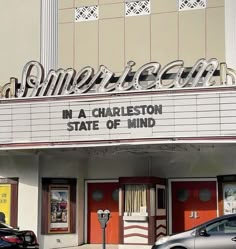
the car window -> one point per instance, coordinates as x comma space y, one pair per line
230, 226
223, 226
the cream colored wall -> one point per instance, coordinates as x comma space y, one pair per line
57, 164
25, 168
165, 35
20, 36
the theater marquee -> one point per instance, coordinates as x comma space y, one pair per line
151, 76
69, 108
117, 119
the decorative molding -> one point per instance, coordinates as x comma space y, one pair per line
86, 13
49, 34
137, 8
230, 33
161, 228
191, 4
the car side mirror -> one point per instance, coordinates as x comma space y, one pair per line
203, 232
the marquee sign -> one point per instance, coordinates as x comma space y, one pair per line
119, 119
89, 120
151, 76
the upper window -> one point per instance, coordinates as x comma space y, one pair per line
137, 8
86, 13
192, 4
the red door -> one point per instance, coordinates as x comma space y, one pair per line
103, 196
192, 204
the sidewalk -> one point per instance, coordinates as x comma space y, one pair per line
94, 246
109, 246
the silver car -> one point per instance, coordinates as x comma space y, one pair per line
219, 233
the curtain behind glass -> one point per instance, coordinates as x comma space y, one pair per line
135, 197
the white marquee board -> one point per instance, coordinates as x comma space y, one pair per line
183, 115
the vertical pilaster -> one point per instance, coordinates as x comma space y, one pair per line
230, 33
49, 34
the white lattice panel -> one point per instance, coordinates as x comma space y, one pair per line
192, 4
137, 8
86, 13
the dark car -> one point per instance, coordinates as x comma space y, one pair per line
14, 238
219, 233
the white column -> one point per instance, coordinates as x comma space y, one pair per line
230, 33
49, 34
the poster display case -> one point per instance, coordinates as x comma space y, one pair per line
227, 194
59, 208
59, 201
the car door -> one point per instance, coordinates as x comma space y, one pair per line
217, 235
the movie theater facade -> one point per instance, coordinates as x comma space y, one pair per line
114, 128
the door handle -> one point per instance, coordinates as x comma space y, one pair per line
191, 214
234, 239
195, 215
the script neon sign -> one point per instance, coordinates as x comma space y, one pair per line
34, 83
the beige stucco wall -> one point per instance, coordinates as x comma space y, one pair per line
25, 167
20, 36
165, 35
59, 164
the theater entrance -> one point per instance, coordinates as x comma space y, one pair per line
103, 196
193, 202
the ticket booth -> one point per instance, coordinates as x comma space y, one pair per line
142, 211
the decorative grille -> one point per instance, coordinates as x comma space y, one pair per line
87, 13
137, 8
192, 4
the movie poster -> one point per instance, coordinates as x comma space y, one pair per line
59, 208
229, 196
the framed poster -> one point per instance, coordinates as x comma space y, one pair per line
59, 209
229, 198
59, 205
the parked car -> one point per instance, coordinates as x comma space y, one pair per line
219, 233
12, 238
